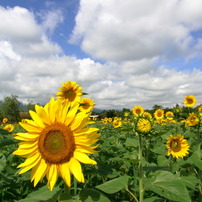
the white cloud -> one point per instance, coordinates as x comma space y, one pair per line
126, 30
32, 66
51, 19
25, 35
18, 24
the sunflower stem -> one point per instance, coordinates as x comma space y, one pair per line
75, 186
141, 189
171, 164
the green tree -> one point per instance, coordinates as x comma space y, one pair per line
30, 105
11, 108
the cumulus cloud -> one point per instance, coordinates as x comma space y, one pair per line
128, 30
51, 19
123, 33
26, 36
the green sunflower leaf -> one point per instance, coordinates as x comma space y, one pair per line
2, 162
90, 195
169, 186
42, 194
114, 185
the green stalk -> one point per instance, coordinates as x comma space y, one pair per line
141, 189
170, 164
75, 186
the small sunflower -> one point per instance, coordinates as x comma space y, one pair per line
169, 115
148, 115
177, 146
138, 110
190, 100
117, 123
56, 142
86, 104
143, 125
9, 127
126, 114
200, 110
192, 120
70, 91
5, 120
159, 114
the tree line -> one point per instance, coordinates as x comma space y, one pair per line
14, 110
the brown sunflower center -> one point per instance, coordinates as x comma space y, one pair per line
56, 143
138, 111
190, 101
70, 95
85, 105
175, 145
159, 114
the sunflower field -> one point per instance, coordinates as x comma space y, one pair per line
62, 153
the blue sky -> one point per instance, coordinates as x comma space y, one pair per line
123, 53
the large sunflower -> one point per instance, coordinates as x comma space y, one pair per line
177, 146
70, 91
190, 100
138, 110
56, 142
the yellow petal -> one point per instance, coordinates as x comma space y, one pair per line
71, 114
65, 173
83, 158
52, 109
23, 152
42, 114
52, 176
27, 144
36, 119
64, 111
58, 111
85, 141
31, 128
85, 131
87, 149
30, 160
75, 169
78, 120
25, 169
39, 171
26, 136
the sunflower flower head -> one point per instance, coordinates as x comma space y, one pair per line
9, 127
169, 115
5, 120
190, 101
148, 115
126, 114
117, 123
177, 146
70, 91
86, 104
200, 110
138, 110
159, 114
192, 119
143, 125
56, 142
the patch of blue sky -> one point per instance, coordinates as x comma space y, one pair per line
181, 64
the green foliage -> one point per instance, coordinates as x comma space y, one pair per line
116, 177
11, 108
